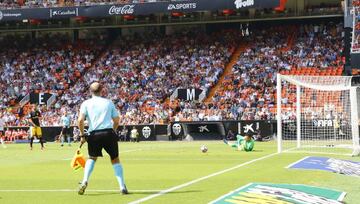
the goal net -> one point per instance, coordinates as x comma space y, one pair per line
317, 114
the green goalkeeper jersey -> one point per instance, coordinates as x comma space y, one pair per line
245, 145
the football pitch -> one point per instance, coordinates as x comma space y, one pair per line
156, 172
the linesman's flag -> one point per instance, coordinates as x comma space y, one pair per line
78, 160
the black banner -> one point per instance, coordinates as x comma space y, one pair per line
202, 130
146, 132
189, 94
133, 9
262, 128
218, 130
40, 98
319, 129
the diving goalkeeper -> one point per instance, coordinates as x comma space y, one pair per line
243, 143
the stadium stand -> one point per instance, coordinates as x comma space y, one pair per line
53, 66
143, 71
356, 34
248, 93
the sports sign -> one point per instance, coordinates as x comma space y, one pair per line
281, 194
345, 167
133, 9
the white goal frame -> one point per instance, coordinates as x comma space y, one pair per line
343, 85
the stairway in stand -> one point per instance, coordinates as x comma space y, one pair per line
227, 71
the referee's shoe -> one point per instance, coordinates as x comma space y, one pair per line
124, 191
82, 188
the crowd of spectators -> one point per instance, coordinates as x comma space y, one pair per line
142, 71
14, 4
249, 92
356, 39
15, 134
41, 64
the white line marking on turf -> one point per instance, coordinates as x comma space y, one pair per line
200, 179
292, 164
72, 190
126, 151
211, 202
311, 152
342, 196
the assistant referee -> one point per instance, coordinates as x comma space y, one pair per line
103, 120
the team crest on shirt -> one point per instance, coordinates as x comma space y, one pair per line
146, 131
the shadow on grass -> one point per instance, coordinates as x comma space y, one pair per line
137, 193
257, 150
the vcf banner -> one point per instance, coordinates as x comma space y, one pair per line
134, 9
146, 132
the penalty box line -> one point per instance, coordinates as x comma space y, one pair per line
200, 179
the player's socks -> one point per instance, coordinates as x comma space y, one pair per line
69, 140
89, 167
119, 175
42, 143
3, 143
31, 143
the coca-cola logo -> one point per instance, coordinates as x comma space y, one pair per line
121, 10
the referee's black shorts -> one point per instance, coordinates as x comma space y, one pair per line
100, 139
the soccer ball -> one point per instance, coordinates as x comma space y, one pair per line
203, 148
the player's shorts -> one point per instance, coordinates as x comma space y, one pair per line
100, 139
65, 131
35, 131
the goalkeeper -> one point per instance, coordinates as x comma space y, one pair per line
243, 143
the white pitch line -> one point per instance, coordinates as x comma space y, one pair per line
200, 179
312, 153
298, 161
71, 190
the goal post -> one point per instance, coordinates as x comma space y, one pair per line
317, 114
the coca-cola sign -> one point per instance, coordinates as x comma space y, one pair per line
122, 10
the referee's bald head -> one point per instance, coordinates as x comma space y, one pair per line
95, 88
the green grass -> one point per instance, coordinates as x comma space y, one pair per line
155, 166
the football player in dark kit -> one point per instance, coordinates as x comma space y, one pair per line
35, 129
